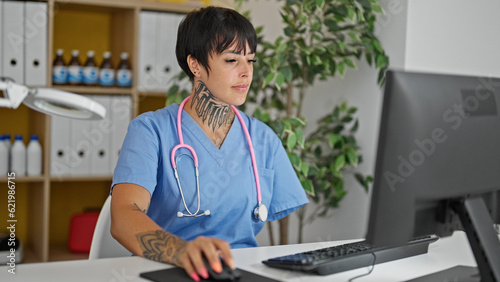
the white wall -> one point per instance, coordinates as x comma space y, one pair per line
454, 36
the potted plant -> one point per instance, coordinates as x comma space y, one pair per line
321, 39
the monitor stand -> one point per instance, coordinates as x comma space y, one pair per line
483, 239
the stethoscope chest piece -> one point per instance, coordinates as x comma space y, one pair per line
260, 212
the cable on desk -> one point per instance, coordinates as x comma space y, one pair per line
371, 269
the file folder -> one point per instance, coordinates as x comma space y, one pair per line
35, 31
148, 76
80, 146
100, 137
1, 39
186, 83
13, 40
166, 58
121, 115
59, 146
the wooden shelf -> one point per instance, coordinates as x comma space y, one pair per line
95, 90
24, 179
152, 93
81, 178
177, 7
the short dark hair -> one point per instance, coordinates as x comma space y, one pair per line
212, 29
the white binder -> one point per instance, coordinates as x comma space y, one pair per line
13, 40
186, 83
35, 31
147, 73
165, 56
80, 146
59, 146
1, 38
120, 115
100, 138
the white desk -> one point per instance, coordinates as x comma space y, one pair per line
443, 254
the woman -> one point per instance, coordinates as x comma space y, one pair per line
180, 221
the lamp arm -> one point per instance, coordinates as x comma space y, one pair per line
14, 94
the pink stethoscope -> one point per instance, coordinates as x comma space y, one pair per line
260, 212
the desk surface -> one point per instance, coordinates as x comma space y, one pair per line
443, 254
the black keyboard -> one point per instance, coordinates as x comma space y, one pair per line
349, 256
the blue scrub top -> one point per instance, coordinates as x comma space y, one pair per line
227, 184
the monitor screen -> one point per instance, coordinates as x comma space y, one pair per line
439, 143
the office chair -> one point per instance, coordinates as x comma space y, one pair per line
103, 244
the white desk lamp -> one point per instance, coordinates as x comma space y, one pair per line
50, 101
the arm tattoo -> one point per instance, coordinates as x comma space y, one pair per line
161, 246
208, 110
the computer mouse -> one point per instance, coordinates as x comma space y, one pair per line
227, 273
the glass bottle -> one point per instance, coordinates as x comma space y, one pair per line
90, 70
106, 72
74, 69
59, 69
124, 72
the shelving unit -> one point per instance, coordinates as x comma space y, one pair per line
44, 204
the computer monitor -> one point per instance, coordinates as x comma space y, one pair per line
438, 163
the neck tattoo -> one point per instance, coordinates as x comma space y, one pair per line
210, 112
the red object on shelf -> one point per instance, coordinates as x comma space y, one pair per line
81, 231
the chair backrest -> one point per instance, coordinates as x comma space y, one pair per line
103, 244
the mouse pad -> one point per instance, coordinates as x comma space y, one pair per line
178, 274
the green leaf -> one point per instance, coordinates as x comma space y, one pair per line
341, 68
291, 141
377, 45
278, 127
343, 106
281, 48
297, 121
333, 139
352, 157
173, 90
320, 3
365, 4
268, 79
339, 162
350, 63
294, 159
341, 46
316, 60
300, 137
380, 61
351, 13
336, 113
308, 187
287, 73
279, 80
377, 8
304, 168
355, 126
346, 119
354, 36
287, 125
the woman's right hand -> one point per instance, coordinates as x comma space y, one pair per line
190, 256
